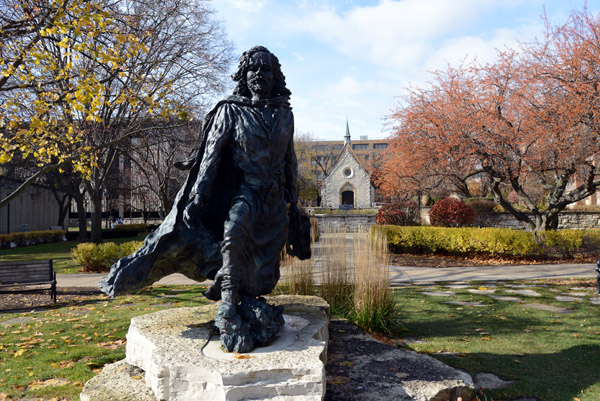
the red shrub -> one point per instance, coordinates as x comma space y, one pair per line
399, 214
451, 212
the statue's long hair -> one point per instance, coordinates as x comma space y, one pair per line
279, 88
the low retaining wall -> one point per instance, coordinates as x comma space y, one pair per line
574, 219
344, 222
352, 222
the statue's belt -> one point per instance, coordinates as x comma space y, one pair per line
262, 181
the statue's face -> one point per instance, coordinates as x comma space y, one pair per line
259, 76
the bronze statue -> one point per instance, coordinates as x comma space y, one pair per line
230, 219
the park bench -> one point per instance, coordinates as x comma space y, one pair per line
29, 274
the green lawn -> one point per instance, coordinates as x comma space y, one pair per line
59, 252
51, 353
548, 355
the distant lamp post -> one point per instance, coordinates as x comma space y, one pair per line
9, 189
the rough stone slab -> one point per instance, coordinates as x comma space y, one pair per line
507, 299
595, 300
481, 291
118, 381
563, 298
527, 293
490, 381
17, 320
169, 347
548, 308
439, 293
370, 370
464, 303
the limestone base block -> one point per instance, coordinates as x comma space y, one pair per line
180, 358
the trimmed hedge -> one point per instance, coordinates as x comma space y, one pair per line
100, 257
14, 240
469, 241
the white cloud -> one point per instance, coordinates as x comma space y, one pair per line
396, 32
252, 6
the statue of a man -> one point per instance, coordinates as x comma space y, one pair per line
230, 219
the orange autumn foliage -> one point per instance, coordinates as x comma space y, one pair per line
528, 123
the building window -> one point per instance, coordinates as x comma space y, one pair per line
337, 147
366, 157
360, 146
380, 146
321, 148
347, 172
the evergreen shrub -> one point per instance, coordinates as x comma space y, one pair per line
100, 257
451, 212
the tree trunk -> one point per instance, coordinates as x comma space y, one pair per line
96, 198
63, 210
81, 217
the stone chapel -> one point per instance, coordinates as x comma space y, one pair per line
348, 183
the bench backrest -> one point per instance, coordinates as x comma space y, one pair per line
33, 271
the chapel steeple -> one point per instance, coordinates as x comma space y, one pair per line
347, 137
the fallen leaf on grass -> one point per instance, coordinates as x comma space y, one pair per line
47, 383
112, 345
63, 364
19, 352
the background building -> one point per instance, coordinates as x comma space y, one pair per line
317, 159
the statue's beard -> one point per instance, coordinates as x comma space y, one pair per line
260, 87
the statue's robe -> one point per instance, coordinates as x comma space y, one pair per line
246, 170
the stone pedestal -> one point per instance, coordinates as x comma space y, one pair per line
175, 352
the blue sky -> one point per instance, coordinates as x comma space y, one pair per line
352, 59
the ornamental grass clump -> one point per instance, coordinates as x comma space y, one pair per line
451, 212
374, 308
298, 276
336, 274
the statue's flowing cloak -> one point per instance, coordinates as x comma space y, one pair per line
246, 169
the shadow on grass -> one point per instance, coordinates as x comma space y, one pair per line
564, 375
449, 323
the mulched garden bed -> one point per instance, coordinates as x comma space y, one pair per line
15, 302
431, 260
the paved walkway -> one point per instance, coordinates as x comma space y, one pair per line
399, 275
403, 275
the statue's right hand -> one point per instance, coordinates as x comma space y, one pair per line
192, 211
